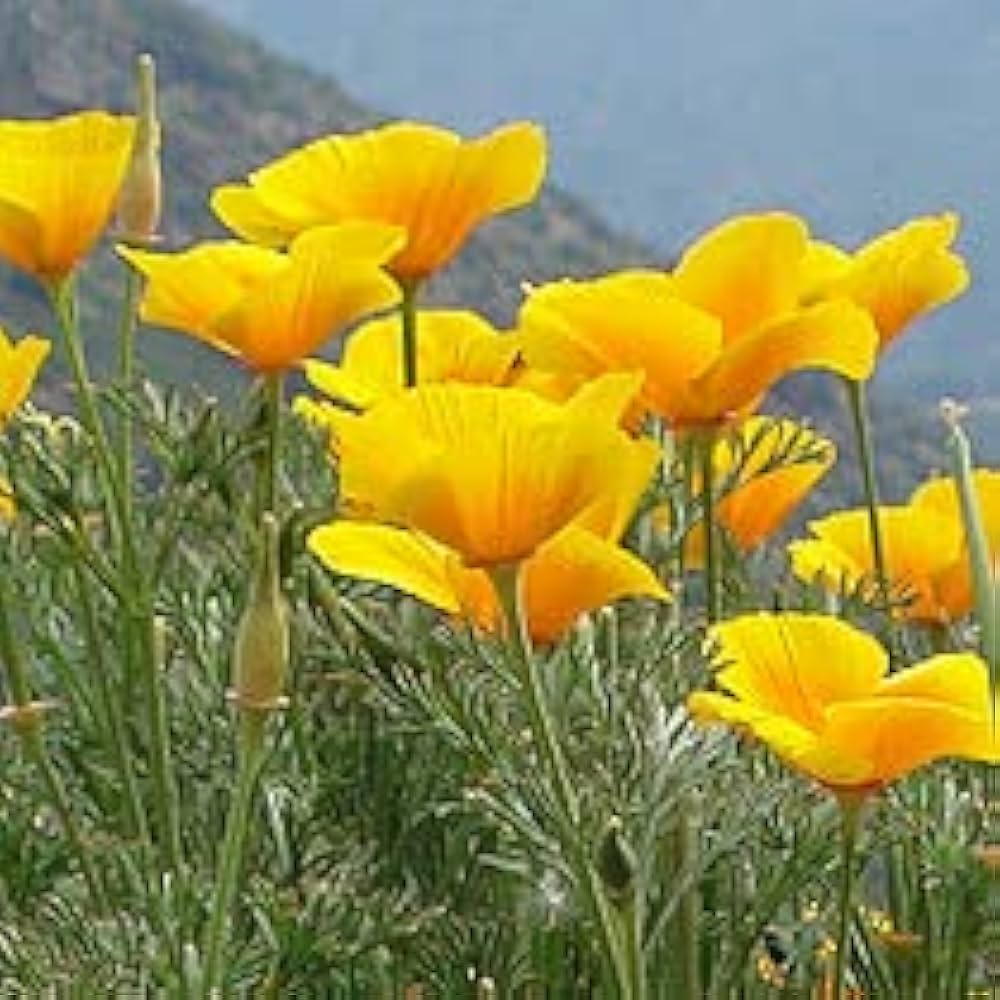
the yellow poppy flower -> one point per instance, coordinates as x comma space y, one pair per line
574, 572
816, 691
711, 338
939, 495
58, 183
453, 346
428, 180
899, 275
270, 309
922, 549
19, 366
764, 491
491, 472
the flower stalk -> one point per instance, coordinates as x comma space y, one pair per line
850, 816
857, 402
408, 318
260, 661
506, 580
713, 584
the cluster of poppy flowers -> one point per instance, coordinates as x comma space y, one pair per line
526, 448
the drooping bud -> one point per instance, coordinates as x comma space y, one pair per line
140, 201
260, 658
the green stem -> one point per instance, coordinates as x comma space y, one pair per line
28, 727
126, 375
850, 821
408, 316
270, 472
713, 588
689, 906
63, 299
251, 749
165, 799
633, 950
506, 580
137, 826
858, 405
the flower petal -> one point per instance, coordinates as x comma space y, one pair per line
65, 174
746, 271
796, 665
834, 336
577, 572
628, 321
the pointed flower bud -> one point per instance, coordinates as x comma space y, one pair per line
260, 659
141, 199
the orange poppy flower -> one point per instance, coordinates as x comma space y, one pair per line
816, 691
427, 180
59, 180
270, 309
711, 338
489, 472
19, 367
923, 555
898, 276
762, 488
453, 346
574, 572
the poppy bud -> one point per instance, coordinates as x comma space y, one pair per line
260, 660
141, 198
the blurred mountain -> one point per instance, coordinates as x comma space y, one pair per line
668, 115
228, 104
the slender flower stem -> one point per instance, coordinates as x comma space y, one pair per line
137, 826
153, 656
408, 316
270, 469
858, 405
251, 752
506, 580
713, 588
27, 723
126, 376
63, 299
850, 821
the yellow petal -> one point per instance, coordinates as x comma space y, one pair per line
834, 336
189, 290
957, 679
452, 346
243, 211
628, 321
796, 665
490, 472
270, 309
905, 273
422, 178
823, 264
19, 367
745, 271
322, 288
940, 495
898, 735
64, 174
766, 491
386, 555
577, 572
920, 545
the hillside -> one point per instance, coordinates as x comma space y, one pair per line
229, 104
669, 115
